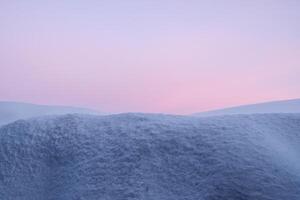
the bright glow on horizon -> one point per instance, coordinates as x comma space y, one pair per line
149, 56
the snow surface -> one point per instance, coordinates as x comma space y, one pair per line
12, 111
151, 157
286, 106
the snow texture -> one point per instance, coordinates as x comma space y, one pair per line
286, 106
151, 157
12, 111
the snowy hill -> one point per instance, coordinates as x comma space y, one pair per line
12, 111
286, 106
151, 157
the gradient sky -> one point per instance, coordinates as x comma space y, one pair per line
149, 56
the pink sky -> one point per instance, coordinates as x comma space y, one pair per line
149, 56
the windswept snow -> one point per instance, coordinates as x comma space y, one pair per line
151, 157
286, 106
12, 111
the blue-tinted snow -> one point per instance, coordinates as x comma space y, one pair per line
285, 106
151, 157
12, 111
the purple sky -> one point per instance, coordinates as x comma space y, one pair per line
149, 56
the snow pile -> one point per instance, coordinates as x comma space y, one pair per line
12, 111
286, 106
151, 157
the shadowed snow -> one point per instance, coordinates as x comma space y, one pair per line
151, 157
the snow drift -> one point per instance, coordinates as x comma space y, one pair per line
151, 157
285, 106
12, 111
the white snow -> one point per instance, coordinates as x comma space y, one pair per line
151, 157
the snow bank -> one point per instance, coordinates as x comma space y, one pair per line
151, 157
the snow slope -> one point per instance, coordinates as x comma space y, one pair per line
151, 157
12, 111
286, 106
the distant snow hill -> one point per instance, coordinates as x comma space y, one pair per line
286, 106
151, 157
12, 111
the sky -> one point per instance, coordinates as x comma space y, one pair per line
166, 56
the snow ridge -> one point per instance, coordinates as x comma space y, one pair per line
284, 106
12, 111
